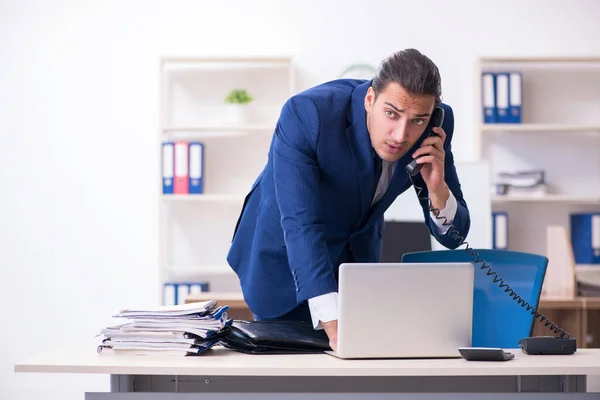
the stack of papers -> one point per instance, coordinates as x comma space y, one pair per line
186, 329
523, 183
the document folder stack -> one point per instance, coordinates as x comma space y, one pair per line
530, 183
186, 329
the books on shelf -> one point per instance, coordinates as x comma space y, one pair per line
186, 329
182, 167
502, 97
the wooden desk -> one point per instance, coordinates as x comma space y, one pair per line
579, 316
562, 303
225, 371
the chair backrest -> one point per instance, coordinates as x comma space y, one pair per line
498, 319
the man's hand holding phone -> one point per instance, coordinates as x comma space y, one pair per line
432, 155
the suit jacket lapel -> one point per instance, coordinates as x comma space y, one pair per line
364, 167
359, 142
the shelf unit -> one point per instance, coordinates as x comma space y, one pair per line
559, 133
216, 198
186, 271
195, 230
541, 128
219, 131
548, 198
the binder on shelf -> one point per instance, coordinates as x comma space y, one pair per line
488, 94
167, 167
502, 97
585, 237
183, 291
500, 230
181, 184
196, 288
196, 163
516, 97
175, 293
169, 295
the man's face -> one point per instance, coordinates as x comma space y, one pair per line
396, 120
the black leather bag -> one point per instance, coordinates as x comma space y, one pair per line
275, 337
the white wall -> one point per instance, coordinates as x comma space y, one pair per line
79, 119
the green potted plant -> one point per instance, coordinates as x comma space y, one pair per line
237, 102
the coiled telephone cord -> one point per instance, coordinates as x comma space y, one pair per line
453, 232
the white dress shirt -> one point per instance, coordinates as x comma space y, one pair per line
325, 307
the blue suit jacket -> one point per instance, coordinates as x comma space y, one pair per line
310, 208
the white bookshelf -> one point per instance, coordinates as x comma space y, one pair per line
541, 128
216, 131
559, 133
208, 270
205, 198
549, 198
196, 229
540, 61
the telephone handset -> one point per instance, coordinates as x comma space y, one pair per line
412, 169
437, 118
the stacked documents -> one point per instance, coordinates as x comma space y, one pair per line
522, 183
186, 329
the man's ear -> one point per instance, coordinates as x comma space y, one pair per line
369, 99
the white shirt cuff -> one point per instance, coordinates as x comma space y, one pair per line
448, 212
323, 308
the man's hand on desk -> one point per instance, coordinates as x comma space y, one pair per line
331, 328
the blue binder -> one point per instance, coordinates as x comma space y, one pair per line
503, 97
168, 166
196, 166
515, 91
500, 230
488, 97
585, 237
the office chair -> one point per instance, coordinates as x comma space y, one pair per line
498, 320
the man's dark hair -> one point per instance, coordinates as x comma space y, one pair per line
412, 70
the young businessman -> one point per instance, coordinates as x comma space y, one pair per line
336, 163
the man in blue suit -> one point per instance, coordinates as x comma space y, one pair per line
336, 163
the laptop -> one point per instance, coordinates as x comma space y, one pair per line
404, 310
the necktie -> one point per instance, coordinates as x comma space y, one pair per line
378, 166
